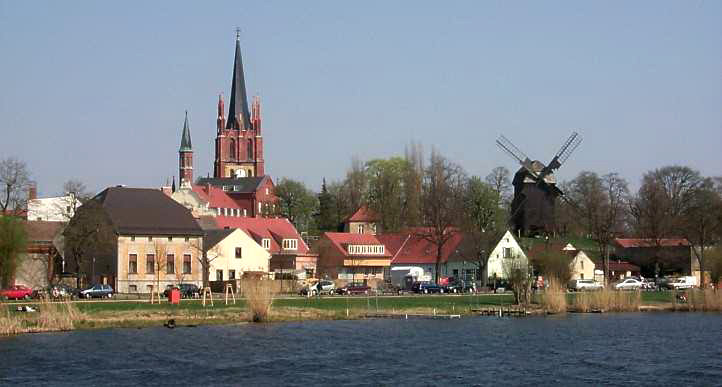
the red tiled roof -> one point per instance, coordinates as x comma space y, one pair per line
622, 266
216, 197
275, 229
342, 239
363, 214
42, 231
649, 242
409, 247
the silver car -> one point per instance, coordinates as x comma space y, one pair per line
584, 284
629, 284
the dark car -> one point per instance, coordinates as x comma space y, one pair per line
354, 288
186, 290
426, 288
97, 291
461, 287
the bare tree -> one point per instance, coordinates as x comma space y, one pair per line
413, 176
442, 203
500, 180
702, 221
74, 194
88, 235
356, 183
14, 180
519, 276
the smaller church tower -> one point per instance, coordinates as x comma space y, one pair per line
185, 156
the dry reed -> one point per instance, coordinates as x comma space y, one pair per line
259, 298
607, 300
50, 316
554, 298
704, 300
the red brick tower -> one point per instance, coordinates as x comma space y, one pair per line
185, 156
239, 144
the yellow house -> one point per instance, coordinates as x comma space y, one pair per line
581, 267
232, 253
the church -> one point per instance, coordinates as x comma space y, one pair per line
239, 186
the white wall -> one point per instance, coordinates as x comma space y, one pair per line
496, 258
56, 209
223, 256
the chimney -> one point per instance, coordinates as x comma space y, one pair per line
32, 191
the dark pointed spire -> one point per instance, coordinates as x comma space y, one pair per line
172, 188
238, 116
186, 136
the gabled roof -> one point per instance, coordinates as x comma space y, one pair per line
237, 185
216, 197
341, 240
363, 214
650, 242
146, 211
275, 229
410, 247
213, 237
622, 266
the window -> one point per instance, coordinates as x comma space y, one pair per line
266, 190
149, 288
132, 263
231, 274
150, 263
290, 244
250, 150
582, 266
150, 239
132, 238
238, 252
170, 239
186, 263
259, 207
219, 275
232, 149
266, 242
133, 288
170, 264
187, 239
309, 273
360, 228
507, 252
245, 212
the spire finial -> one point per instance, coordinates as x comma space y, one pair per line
238, 33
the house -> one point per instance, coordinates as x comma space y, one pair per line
352, 257
657, 257
154, 241
251, 196
581, 266
40, 263
51, 209
506, 250
411, 251
278, 236
621, 269
233, 253
363, 221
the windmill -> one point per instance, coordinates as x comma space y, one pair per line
535, 188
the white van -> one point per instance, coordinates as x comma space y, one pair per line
680, 283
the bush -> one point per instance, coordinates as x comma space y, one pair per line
607, 300
259, 297
554, 298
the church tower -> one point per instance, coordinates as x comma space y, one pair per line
185, 156
239, 144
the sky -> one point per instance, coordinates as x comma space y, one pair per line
97, 91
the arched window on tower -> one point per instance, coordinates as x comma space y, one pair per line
250, 150
232, 152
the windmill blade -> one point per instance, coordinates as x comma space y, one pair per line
568, 148
516, 153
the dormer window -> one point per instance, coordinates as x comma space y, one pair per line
365, 249
290, 244
266, 243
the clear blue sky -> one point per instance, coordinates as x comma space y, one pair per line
97, 90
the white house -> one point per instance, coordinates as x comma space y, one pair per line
581, 267
54, 209
507, 249
232, 253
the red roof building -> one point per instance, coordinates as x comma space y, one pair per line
363, 221
277, 235
657, 257
352, 257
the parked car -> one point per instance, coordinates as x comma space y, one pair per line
16, 292
579, 285
426, 288
354, 288
629, 284
388, 288
186, 290
460, 286
327, 287
97, 291
680, 283
55, 292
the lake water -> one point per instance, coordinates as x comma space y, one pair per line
607, 349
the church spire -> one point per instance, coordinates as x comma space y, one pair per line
238, 115
186, 136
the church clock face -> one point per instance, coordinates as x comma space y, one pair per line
240, 173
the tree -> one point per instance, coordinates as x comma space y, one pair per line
442, 203
89, 234
702, 221
519, 276
75, 194
297, 203
499, 179
386, 191
554, 264
413, 176
327, 218
483, 222
715, 266
14, 180
600, 206
356, 184
13, 242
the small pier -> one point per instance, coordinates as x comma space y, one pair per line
407, 316
502, 312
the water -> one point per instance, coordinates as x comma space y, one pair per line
610, 349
